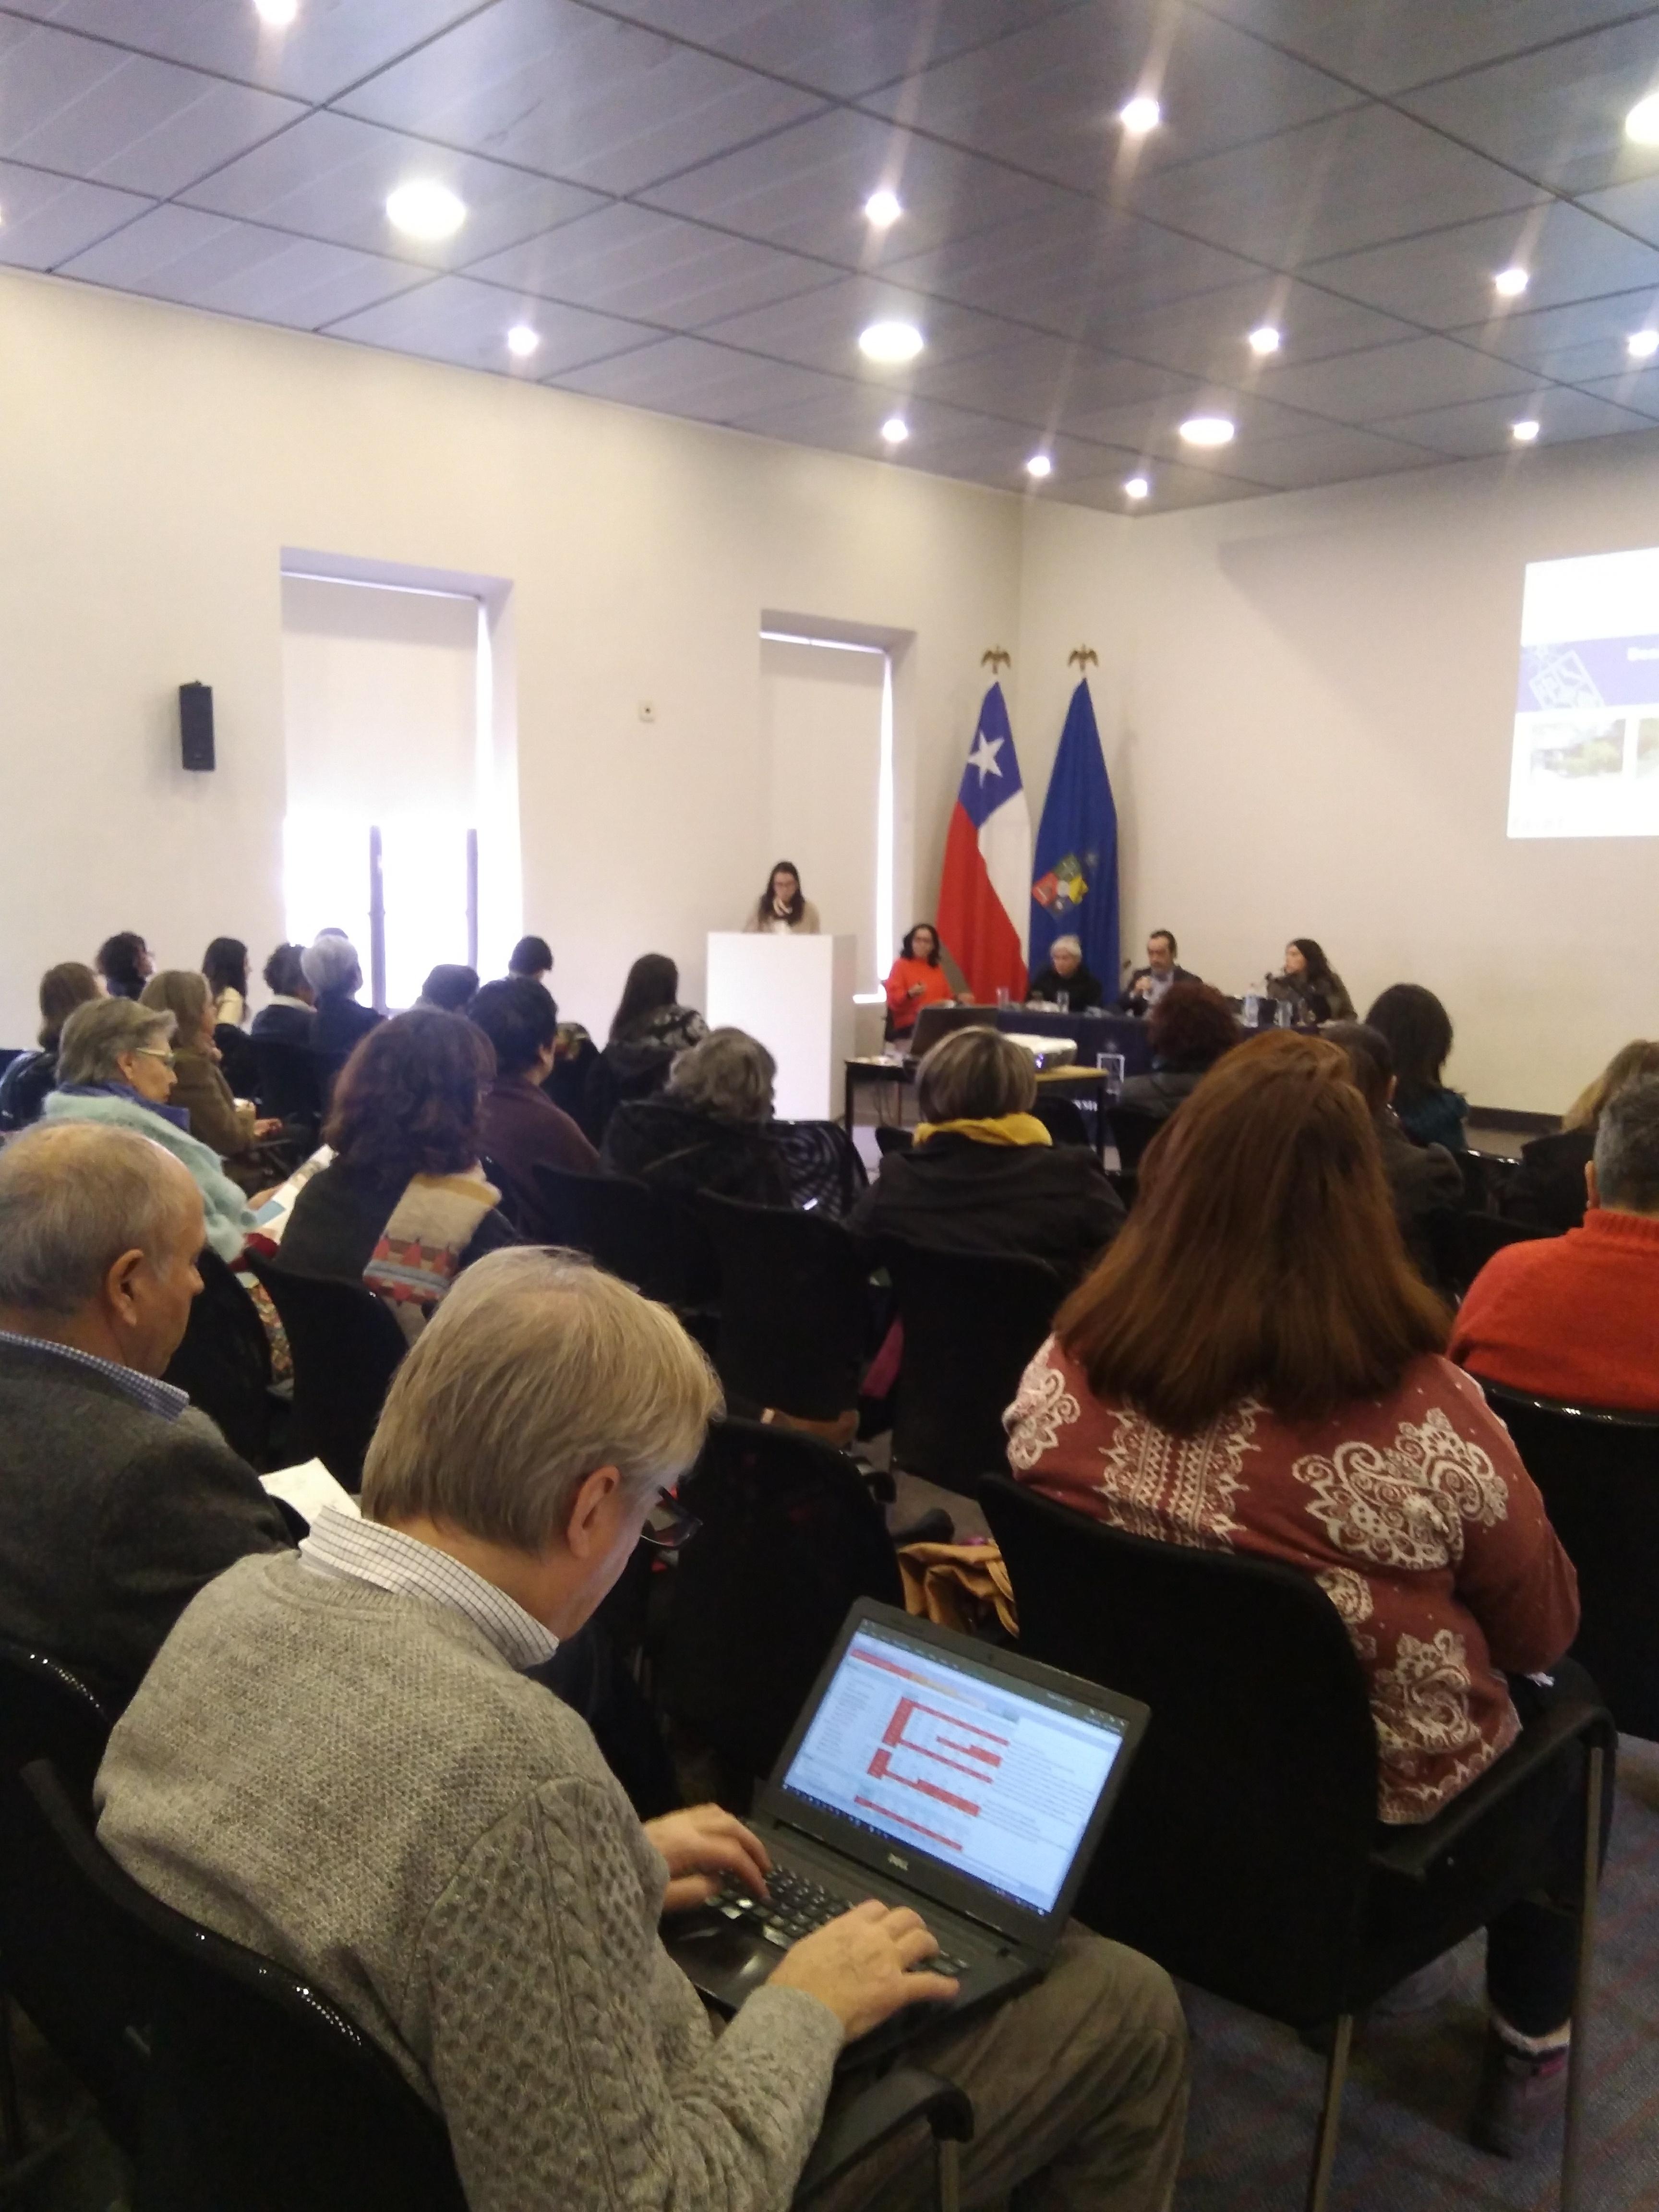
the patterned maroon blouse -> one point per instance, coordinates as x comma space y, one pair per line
1414, 1514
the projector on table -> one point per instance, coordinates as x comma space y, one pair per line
1049, 1052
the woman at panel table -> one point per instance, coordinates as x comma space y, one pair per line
916, 979
782, 909
1310, 986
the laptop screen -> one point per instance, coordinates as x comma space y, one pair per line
993, 1776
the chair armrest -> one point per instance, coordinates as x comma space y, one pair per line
1413, 1851
861, 2121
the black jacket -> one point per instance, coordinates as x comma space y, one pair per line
338, 1217
953, 1194
1547, 1191
1423, 1179
339, 1022
1128, 1004
673, 1147
287, 1024
1081, 988
1162, 1091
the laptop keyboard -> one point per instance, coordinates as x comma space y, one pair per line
796, 1907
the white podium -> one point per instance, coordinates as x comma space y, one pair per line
795, 994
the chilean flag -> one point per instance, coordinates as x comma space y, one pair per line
985, 895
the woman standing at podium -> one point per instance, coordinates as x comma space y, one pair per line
782, 909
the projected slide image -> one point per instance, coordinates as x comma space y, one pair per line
1585, 758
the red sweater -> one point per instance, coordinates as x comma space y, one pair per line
935, 985
1575, 1317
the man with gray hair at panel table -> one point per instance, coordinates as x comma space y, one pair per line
118, 1500
444, 1851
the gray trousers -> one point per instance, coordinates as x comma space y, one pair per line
1080, 2094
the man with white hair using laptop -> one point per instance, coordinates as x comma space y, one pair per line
336, 1761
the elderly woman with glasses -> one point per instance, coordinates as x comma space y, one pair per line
228, 1124
115, 1064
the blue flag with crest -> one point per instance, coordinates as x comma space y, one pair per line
1074, 893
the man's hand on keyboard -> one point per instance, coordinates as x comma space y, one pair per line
863, 1965
704, 1846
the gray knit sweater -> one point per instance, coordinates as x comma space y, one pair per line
355, 1783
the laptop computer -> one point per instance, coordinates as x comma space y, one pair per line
932, 1771
939, 1020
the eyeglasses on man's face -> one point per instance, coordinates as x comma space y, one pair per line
669, 1524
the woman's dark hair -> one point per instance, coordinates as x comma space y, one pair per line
407, 1100
653, 981
1262, 1258
1319, 968
62, 988
797, 905
532, 957
1370, 1063
451, 987
225, 965
520, 1019
284, 974
908, 947
1191, 1026
1419, 1034
118, 963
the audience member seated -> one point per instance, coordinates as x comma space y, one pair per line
123, 961
450, 988
1254, 1367
439, 1847
199, 1091
532, 957
708, 1130
1310, 986
1148, 984
118, 1500
1577, 1316
1067, 975
1188, 1029
782, 910
225, 966
983, 1175
1423, 1179
1419, 1034
649, 1028
916, 979
519, 1126
335, 974
1547, 1190
291, 1016
26, 1080
115, 1065
402, 1204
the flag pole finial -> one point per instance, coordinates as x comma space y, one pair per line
995, 658
1082, 657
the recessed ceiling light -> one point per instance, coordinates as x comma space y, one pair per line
895, 429
426, 210
1511, 284
890, 342
882, 209
1141, 115
1642, 345
1524, 432
278, 13
1207, 430
1264, 339
522, 341
1039, 466
1642, 124
1136, 487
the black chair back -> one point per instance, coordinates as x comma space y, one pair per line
223, 1362
790, 1537
631, 1230
793, 1314
971, 1322
289, 1079
238, 1062
1461, 1243
1132, 1130
347, 1347
1599, 1473
890, 1138
1252, 1806
1063, 1119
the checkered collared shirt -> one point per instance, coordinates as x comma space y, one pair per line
155, 1397
363, 1551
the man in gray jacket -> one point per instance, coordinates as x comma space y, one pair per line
118, 1500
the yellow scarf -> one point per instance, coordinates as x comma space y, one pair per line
1006, 1129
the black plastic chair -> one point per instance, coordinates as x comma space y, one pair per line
238, 1062
631, 1231
1599, 1473
892, 1137
1461, 1243
289, 1081
347, 1347
1063, 1119
790, 1537
1132, 1130
971, 1322
794, 1315
1245, 1853
223, 1362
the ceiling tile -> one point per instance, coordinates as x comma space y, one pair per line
1152, 426
238, 269
1206, 336
1395, 380
455, 319
91, 110
44, 219
1173, 488
1572, 344
333, 44
1334, 456
1633, 206
630, 260
1558, 114
689, 376
1044, 381
1484, 426
575, 93
1445, 278
1330, 187
1048, 99
1635, 388
806, 189
1386, 45
329, 176
821, 329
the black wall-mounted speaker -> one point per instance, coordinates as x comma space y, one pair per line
196, 723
